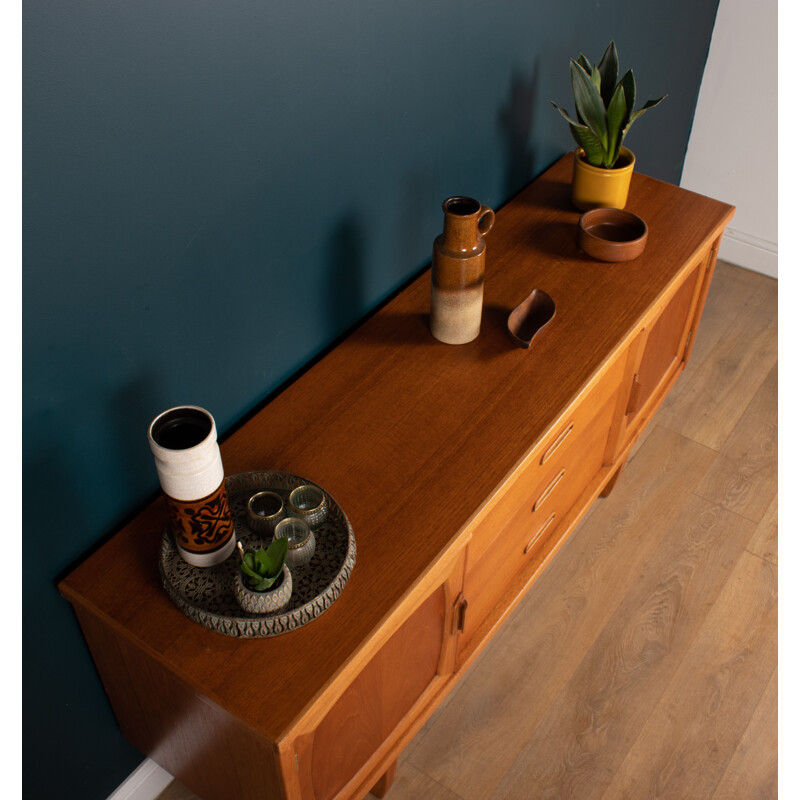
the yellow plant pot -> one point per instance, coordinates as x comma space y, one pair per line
595, 187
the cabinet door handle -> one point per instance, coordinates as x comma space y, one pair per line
460, 616
635, 395
686, 346
557, 443
539, 533
552, 485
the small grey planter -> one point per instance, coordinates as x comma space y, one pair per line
264, 602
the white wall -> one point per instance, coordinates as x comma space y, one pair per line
733, 147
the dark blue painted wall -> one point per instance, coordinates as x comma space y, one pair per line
213, 192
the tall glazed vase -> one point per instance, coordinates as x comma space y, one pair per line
457, 272
183, 441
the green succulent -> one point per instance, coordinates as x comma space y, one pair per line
604, 107
263, 567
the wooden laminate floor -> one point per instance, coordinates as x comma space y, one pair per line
643, 663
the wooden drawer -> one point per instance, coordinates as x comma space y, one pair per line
530, 512
543, 464
573, 470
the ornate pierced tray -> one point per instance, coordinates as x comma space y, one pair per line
206, 595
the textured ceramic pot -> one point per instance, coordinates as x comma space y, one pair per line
183, 441
595, 187
264, 511
302, 542
309, 503
611, 234
268, 602
457, 271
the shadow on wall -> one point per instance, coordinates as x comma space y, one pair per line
420, 220
516, 122
345, 295
57, 473
132, 408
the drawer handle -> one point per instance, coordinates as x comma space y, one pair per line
460, 616
543, 496
557, 443
539, 533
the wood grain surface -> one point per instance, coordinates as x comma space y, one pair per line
753, 768
690, 735
474, 726
745, 472
390, 421
643, 663
418, 442
765, 540
542, 657
733, 362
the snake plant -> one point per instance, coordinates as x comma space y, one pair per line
604, 107
263, 567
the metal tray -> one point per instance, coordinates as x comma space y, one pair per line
206, 595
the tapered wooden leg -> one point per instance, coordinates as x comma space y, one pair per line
385, 782
609, 487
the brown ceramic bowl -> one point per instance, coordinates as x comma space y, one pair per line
611, 234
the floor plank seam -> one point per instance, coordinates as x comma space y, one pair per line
456, 795
665, 426
668, 684
745, 728
757, 555
731, 511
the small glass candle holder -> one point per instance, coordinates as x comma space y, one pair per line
264, 511
309, 503
302, 542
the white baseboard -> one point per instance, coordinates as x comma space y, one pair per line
146, 782
751, 252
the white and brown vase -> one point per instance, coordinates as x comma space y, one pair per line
184, 443
457, 272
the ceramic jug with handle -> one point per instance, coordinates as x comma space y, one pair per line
457, 273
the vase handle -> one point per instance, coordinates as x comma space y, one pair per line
486, 220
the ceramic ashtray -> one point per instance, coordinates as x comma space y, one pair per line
309, 503
530, 317
612, 234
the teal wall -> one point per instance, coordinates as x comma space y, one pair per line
215, 191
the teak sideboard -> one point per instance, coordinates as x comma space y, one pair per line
462, 470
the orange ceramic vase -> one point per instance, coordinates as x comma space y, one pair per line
459, 262
596, 187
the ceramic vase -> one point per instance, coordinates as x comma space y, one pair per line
457, 271
183, 441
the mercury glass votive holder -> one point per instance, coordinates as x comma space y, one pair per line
264, 511
309, 503
302, 542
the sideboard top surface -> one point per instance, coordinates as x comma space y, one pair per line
410, 436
